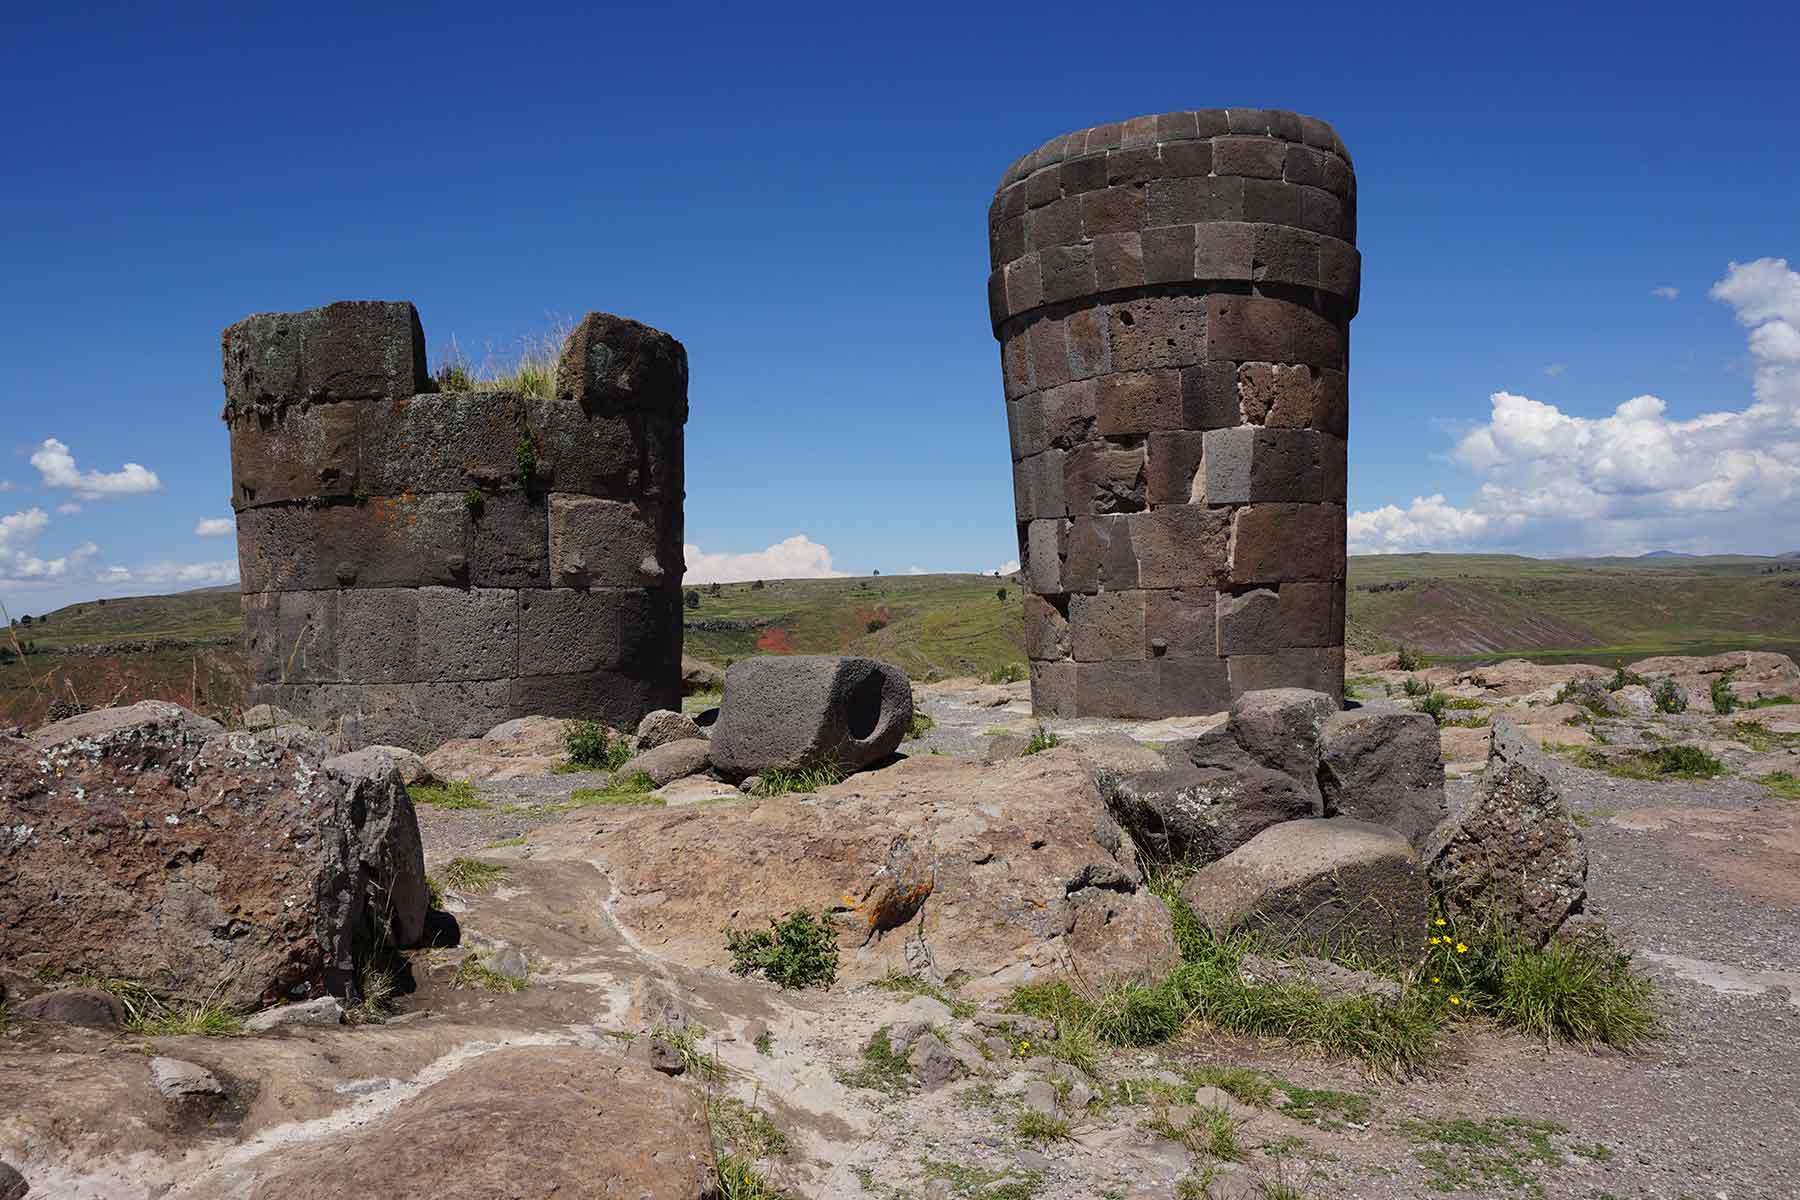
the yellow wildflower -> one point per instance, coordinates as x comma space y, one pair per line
1461, 949
1456, 999
1435, 979
1440, 920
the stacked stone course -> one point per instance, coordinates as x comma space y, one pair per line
1173, 295
420, 565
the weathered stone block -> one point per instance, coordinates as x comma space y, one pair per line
1053, 689
565, 631
613, 364
294, 453
1265, 329
378, 634
1192, 686
1090, 347
1249, 622
612, 697
292, 637
467, 634
351, 350
1046, 628
1038, 484
1276, 394
1273, 543
509, 540
1100, 478
1209, 396
1118, 261
1108, 626
1157, 331
1183, 545
785, 711
1190, 199
1071, 413
1024, 284
1045, 543
1049, 352
1179, 623
1315, 669
1113, 210
1386, 768
1119, 688
1225, 250
1133, 402
386, 541
1172, 461
603, 543
1254, 157
1306, 613
1068, 272
1169, 254
1100, 555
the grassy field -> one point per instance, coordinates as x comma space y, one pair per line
1451, 607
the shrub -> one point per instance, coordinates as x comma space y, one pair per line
1406, 660
884, 1069
692, 600
1012, 672
1685, 762
1412, 685
590, 746
527, 453
799, 950
1722, 699
475, 502
1433, 706
1668, 698
921, 725
876, 625
1783, 783
1623, 678
1043, 739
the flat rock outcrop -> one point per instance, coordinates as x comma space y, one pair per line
986, 877
139, 844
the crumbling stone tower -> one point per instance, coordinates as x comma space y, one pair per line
1172, 295
420, 565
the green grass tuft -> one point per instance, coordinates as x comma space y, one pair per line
1012, 672
457, 794
633, 791
1783, 783
473, 974
883, 1068
799, 950
1035, 1126
470, 875
740, 1179
808, 777
921, 725
912, 985
1042, 740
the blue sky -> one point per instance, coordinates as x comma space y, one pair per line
800, 193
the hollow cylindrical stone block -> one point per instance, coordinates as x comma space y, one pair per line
420, 565
1172, 296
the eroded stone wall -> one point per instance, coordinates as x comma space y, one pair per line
1173, 295
420, 565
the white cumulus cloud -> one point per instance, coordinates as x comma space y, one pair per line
68, 508
1006, 568
18, 564
1666, 293
175, 574
1555, 369
57, 467
215, 527
797, 557
1635, 479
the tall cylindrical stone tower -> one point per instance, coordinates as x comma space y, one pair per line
420, 565
1172, 295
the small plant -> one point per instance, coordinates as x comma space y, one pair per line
472, 973
799, 950
1668, 697
1012, 672
1722, 699
459, 793
1042, 740
765, 1042
921, 725
527, 453
810, 776
1684, 762
453, 377
745, 1129
1412, 685
694, 1058
635, 790
912, 985
475, 502
1623, 679
739, 1179
377, 988
503, 843
470, 875
1035, 1126
590, 746
1406, 660
152, 1014
883, 1069
1783, 783
1433, 706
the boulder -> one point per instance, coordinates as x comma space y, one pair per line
698, 676
267, 716
1634, 700
1330, 886
1512, 851
379, 760
12, 1184
326, 1010
560, 1121
514, 749
982, 877
1200, 814
1116, 752
145, 844
178, 1079
667, 763
1277, 729
662, 727
1332, 981
932, 1062
1384, 767
1754, 673
76, 1006
789, 711
1459, 745
1517, 676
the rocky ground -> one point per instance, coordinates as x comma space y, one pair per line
615, 911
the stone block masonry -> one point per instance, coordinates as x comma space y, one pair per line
421, 565
1172, 296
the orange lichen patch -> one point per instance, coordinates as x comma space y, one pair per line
893, 901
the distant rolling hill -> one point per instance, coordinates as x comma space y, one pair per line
1454, 606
